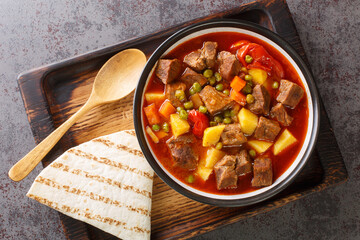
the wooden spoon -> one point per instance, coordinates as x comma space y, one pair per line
116, 79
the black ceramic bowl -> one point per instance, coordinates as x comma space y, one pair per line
313, 104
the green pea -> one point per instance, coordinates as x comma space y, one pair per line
218, 77
248, 59
219, 87
219, 146
247, 89
250, 98
188, 105
250, 83
180, 94
275, 85
227, 113
190, 179
248, 77
252, 153
232, 113
155, 127
243, 69
197, 87
218, 119
213, 123
212, 80
226, 92
208, 73
227, 120
178, 109
202, 109
183, 114
192, 91
166, 127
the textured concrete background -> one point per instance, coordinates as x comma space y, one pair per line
37, 32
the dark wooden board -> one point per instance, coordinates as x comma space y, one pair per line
54, 92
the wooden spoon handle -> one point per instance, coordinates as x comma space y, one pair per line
23, 167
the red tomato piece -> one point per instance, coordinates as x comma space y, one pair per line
239, 44
199, 121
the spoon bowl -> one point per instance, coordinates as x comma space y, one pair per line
116, 79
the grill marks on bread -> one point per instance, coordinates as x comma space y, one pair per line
86, 214
91, 195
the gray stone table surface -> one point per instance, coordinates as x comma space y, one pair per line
38, 32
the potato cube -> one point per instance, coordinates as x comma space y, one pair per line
248, 121
212, 135
259, 146
285, 140
178, 126
213, 156
203, 172
154, 97
259, 75
196, 100
152, 135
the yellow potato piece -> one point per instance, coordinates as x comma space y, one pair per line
212, 135
203, 172
285, 140
178, 126
213, 156
154, 97
259, 146
152, 135
248, 121
259, 75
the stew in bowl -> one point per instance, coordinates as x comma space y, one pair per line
225, 113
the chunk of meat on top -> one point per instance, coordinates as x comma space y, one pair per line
170, 92
209, 51
226, 176
290, 93
263, 175
196, 60
243, 163
261, 105
232, 135
279, 113
229, 66
189, 77
182, 151
267, 129
168, 70
215, 101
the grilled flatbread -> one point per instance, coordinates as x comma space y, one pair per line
105, 182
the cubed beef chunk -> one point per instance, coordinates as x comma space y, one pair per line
229, 66
182, 151
215, 101
279, 113
168, 70
267, 129
243, 163
170, 92
196, 60
189, 77
290, 93
209, 52
232, 135
261, 105
263, 174
225, 172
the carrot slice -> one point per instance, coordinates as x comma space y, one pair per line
238, 97
152, 115
166, 109
161, 134
237, 84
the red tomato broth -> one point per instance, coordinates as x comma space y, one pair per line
280, 163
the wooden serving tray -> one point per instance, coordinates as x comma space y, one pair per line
54, 92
